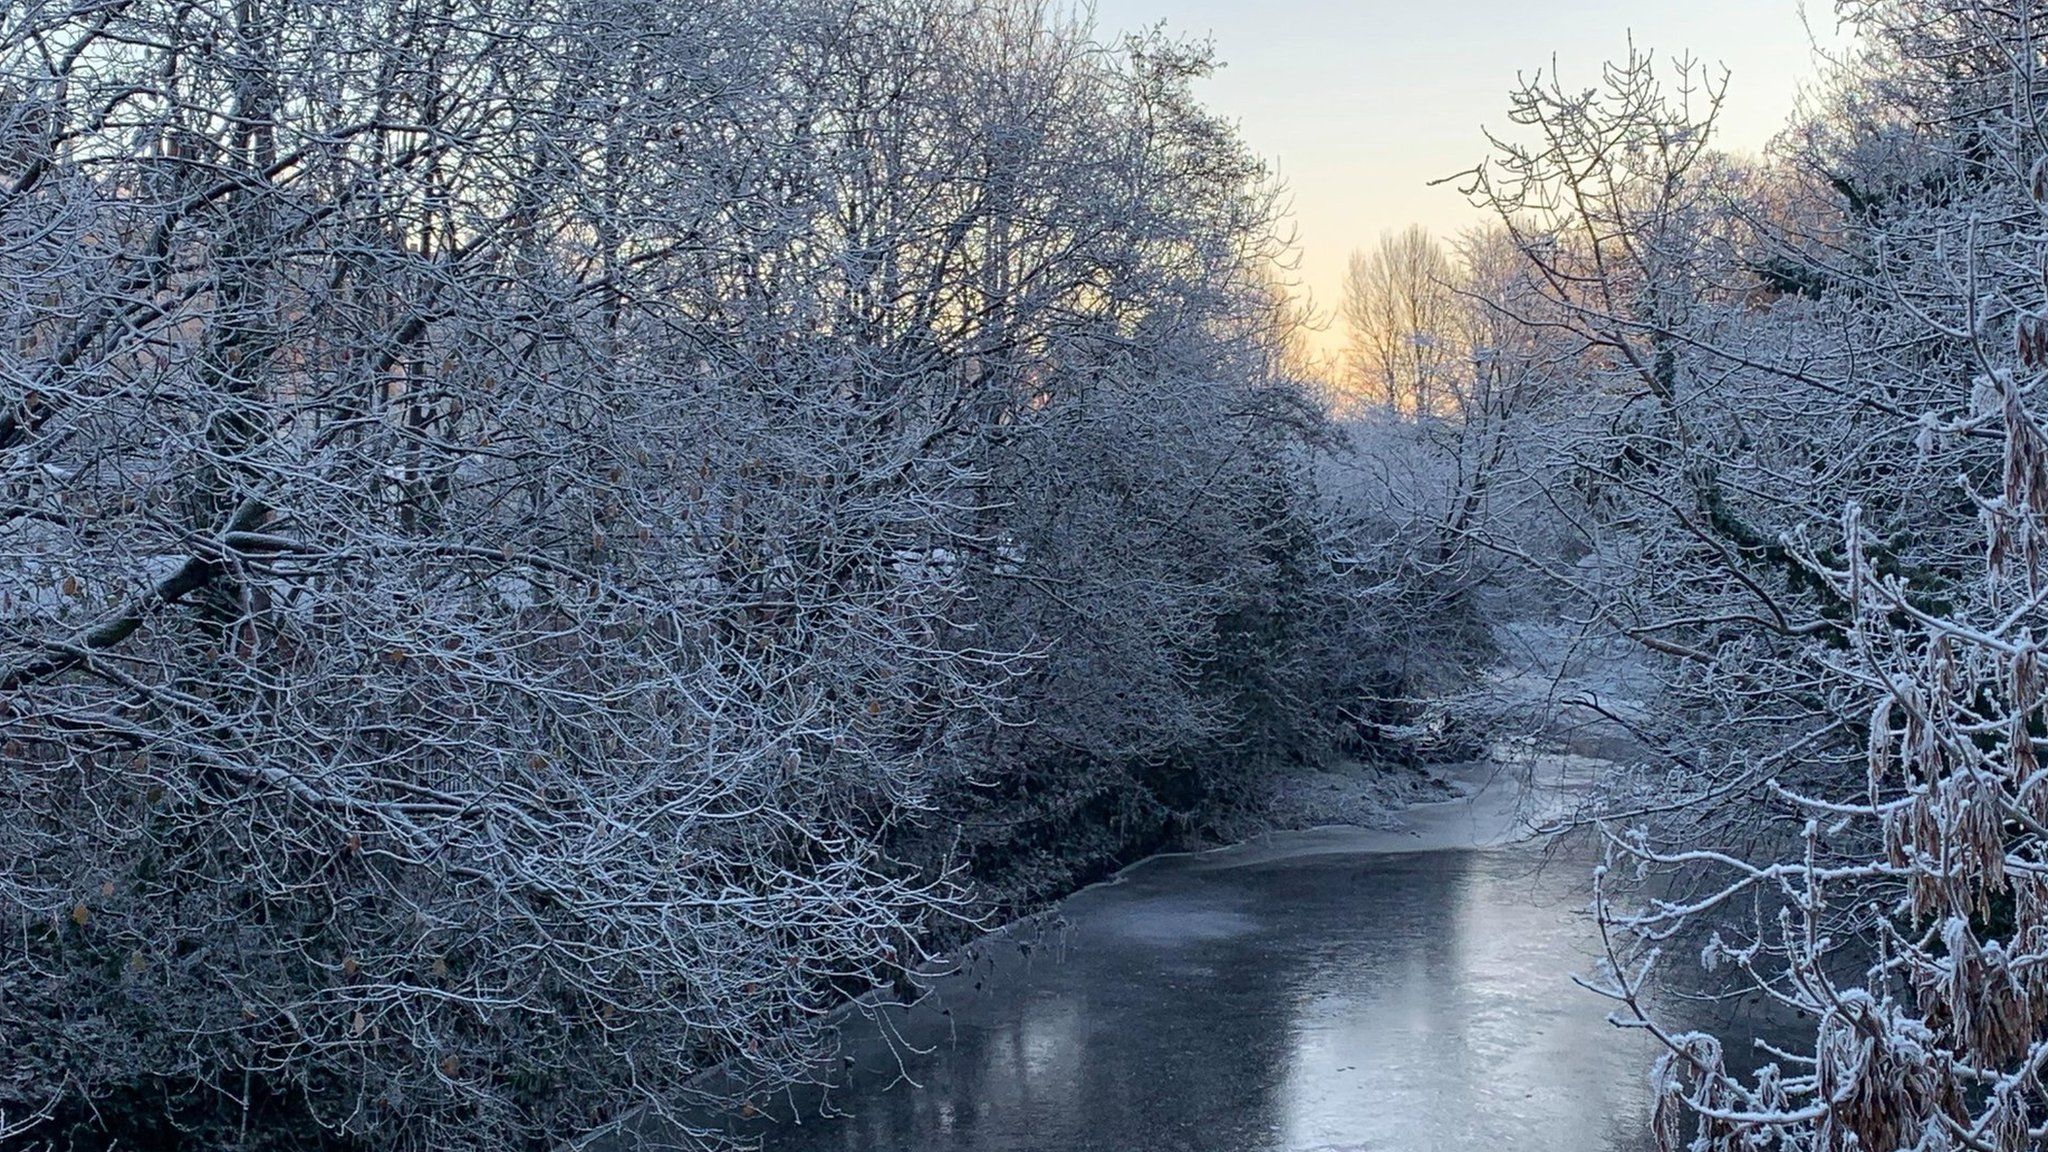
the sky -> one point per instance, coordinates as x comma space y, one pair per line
1359, 104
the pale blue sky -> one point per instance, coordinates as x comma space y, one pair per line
1361, 102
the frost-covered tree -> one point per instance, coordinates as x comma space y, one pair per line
1157, 506
1810, 484
1439, 490
507, 510
1703, 424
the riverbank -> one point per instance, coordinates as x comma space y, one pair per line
1350, 792
1515, 796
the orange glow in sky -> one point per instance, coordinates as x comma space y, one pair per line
1361, 103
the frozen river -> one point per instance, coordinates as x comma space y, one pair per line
1314, 991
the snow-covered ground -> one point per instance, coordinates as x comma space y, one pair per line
1515, 795
1351, 793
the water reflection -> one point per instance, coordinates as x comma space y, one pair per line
1321, 1002
1460, 1029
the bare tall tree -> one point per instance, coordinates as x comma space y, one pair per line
1399, 312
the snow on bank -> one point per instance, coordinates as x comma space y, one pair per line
1351, 793
1514, 796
